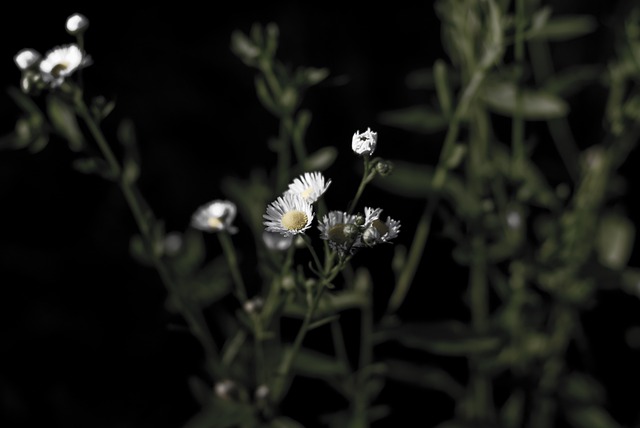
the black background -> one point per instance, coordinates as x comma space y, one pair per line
83, 327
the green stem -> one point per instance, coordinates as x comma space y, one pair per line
366, 177
193, 317
361, 399
517, 129
424, 223
284, 369
316, 259
232, 260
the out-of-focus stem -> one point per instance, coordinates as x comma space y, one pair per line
232, 261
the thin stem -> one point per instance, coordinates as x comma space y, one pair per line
316, 259
284, 369
424, 223
366, 177
517, 129
232, 260
193, 317
361, 399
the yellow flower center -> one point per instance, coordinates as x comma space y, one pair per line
294, 220
214, 223
58, 68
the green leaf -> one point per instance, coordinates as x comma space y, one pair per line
224, 414
94, 166
320, 160
63, 119
316, 365
285, 422
590, 417
424, 376
23, 101
443, 338
422, 119
582, 389
614, 241
264, 96
329, 304
571, 80
244, 48
101, 108
208, 285
191, 253
500, 97
12, 142
443, 89
200, 390
565, 27
512, 411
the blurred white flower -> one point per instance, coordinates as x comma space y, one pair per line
365, 143
215, 216
77, 23
289, 215
61, 62
26, 58
275, 241
309, 186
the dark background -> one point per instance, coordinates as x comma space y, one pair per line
85, 337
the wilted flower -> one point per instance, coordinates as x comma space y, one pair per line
61, 62
365, 143
26, 58
288, 215
340, 230
275, 241
77, 23
309, 186
375, 230
215, 216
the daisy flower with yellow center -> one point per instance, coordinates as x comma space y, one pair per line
61, 62
309, 186
215, 216
288, 215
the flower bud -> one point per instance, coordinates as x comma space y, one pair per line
384, 167
26, 58
365, 143
370, 236
359, 220
226, 389
77, 24
253, 306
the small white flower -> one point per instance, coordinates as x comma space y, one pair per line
77, 23
288, 215
375, 230
365, 143
340, 230
275, 241
26, 58
309, 186
215, 216
61, 62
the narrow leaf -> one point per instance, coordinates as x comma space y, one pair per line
63, 119
424, 376
614, 241
500, 97
565, 28
422, 119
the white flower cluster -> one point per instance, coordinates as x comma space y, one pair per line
51, 70
292, 213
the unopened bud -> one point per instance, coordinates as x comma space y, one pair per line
226, 389
253, 306
26, 58
359, 220
384, 167
77, 24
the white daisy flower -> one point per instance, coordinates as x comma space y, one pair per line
26, 58
288, 215
76, 23
339, 228
309, 186
215, 216
365, 143
375, 230
61, 62
275, 241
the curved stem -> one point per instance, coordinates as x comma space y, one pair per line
144, 219
366, 177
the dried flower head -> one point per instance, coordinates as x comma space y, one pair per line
340, 230
365, 143
375, 230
